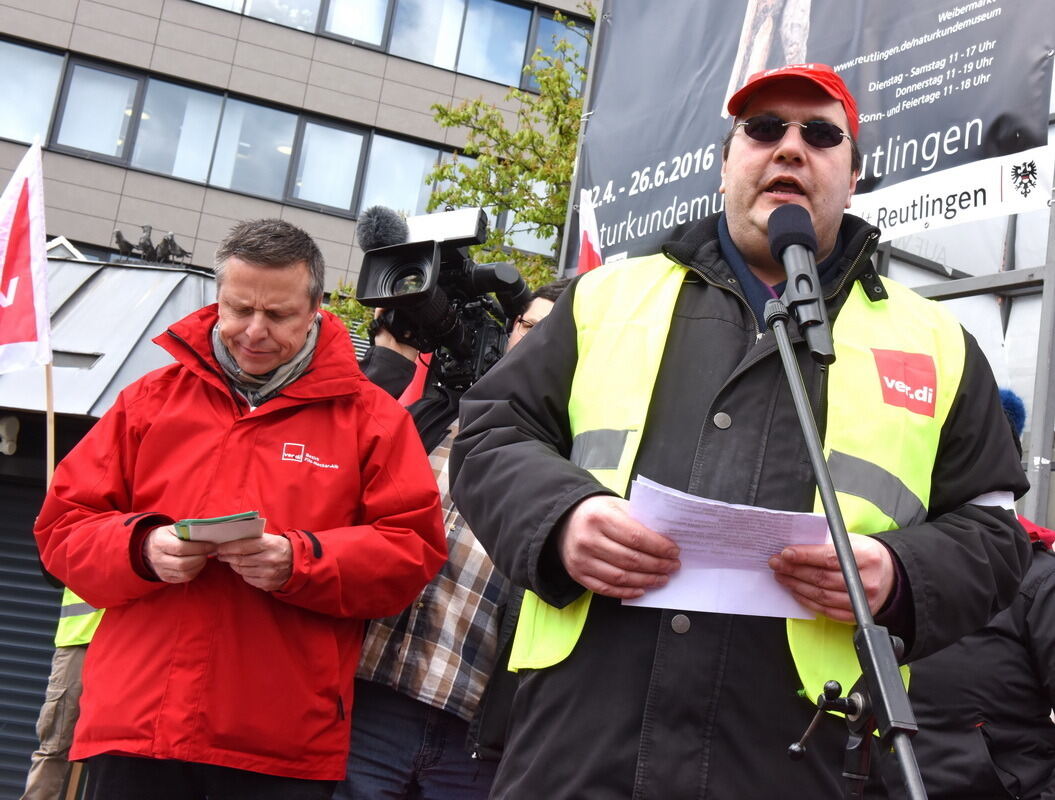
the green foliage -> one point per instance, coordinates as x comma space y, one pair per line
353, 314
524, 165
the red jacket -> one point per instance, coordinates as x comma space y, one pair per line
214, 670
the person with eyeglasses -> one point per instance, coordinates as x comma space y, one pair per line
663, 367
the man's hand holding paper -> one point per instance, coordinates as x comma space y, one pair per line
173, 559
609, 552
812, 574
726, 551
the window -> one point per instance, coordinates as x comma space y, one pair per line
27, 91
525, 239
489, 39
395, 175
135, 120
530, 241
300, 14
361, 20
177, 131
493, 41
97, 111
548, 33
328, 166
253, 149
428, 30
226, 5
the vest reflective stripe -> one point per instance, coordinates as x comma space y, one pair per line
76, 610
598, 449
77, 621
546, 635
855, 476
881, 453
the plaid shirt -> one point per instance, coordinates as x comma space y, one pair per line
441, 649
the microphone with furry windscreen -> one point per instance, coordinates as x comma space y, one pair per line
380, 226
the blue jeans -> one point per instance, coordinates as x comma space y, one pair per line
403, 748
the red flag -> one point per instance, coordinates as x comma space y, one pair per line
589, 237
24, 326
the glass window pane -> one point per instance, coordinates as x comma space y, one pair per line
395, 175
532, 243
252, 152
493, 41
177, 129
470, 163
329, 161
98, 111
301, 14
29, 80
362, 20
549, 32
525, 236
428, 30
226, 5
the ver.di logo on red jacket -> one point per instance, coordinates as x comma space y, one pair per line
908, 380
295, 451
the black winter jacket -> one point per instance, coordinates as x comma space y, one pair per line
640, 709
984, 703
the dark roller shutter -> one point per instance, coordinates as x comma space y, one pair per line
28, 612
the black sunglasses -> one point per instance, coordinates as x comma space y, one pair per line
816, 133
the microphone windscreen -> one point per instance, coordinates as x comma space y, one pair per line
790, 224
380, 226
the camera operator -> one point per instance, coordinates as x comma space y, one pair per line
423, 725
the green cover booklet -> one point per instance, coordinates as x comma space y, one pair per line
246, 525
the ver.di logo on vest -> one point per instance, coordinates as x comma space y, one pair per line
295, 451
908, 380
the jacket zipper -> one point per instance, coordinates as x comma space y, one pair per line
865, 247
735, 293
231, 392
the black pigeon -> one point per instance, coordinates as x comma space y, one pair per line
146, 247
164, 256
124, 247
172, 251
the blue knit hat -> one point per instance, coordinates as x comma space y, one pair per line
1014, 409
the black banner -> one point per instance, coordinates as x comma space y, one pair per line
941, 85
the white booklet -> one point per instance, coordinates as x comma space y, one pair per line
725, 549
247, 525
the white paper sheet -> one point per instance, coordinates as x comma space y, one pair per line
725, 550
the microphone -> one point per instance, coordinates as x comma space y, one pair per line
793, 242
380, 226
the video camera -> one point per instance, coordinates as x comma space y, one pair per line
436, 299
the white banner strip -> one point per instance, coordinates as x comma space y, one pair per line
993, 187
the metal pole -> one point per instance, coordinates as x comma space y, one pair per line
587, 94
1042, 418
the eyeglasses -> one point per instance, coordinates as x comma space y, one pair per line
768, 128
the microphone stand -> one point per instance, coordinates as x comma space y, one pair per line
878, 701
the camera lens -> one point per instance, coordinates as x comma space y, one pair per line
408, 284
410, 277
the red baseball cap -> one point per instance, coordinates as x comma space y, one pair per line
820, 75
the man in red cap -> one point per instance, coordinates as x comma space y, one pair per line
663, 367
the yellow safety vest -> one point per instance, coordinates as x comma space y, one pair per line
881, 469
77, 621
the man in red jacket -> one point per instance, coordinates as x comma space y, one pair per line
226, 670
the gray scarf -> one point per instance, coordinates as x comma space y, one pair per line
258, 389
